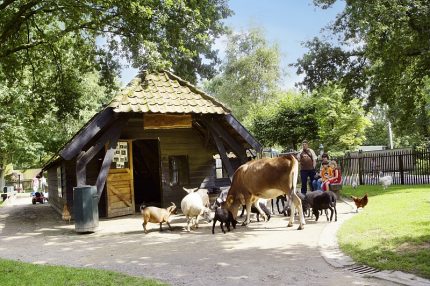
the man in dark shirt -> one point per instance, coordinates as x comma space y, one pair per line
307, 159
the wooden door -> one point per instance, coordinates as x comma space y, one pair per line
119, 185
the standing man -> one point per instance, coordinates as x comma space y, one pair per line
308, 160
35, 183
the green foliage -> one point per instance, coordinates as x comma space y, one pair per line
382, 238
341, 124
19, 273
377, 132
382, 56
250, 73
30, 135
322, 118
286, 123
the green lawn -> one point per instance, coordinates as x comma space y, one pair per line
393, 230
18, 273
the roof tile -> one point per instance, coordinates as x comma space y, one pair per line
163, 92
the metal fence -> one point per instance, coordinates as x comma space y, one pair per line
405, 166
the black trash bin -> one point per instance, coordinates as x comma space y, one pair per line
85, 208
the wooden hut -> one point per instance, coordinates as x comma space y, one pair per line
158, 135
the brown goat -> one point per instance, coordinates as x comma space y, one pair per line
157, 215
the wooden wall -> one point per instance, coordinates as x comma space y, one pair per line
69, 182
174, 142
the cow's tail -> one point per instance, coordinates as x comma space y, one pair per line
294, 173
293, 192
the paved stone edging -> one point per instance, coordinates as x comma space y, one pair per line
330, 251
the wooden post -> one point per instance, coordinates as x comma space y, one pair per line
216, 129
85, 157
86, 134
107, 160
402, 174
223, 154
360, 167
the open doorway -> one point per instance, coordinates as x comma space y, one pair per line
146, 172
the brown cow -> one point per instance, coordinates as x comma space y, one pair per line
265, 178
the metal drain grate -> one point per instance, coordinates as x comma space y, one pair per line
363, 269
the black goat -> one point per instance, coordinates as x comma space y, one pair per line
255, 210
287, 209
223, 216
283, 200
324, 201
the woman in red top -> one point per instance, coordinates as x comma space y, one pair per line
336, 179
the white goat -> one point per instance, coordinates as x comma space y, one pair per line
385, 181
193, 207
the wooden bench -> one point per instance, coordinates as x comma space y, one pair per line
336, 188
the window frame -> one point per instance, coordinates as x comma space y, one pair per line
179, 170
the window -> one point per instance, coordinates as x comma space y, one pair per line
60, 181
120, 156
178, 169
220, 172
218, 169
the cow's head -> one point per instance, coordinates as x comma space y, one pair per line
233, 203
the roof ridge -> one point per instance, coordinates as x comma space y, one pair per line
194, 88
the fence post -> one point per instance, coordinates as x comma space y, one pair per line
402, 174
360, 167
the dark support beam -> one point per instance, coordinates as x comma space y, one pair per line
85, 157
107, 160
243, 132
85, 135
235, 146
81, 170
223, 154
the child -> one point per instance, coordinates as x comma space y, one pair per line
335, 179
324, 173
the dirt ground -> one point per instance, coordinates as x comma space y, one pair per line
264, 253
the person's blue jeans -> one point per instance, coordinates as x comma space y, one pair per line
305, 174
317, 184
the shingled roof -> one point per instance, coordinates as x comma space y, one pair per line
164, 92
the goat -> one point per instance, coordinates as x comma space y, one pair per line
203, 193
221, 198
192, 207
223, 216
287, 209
282, 199
264, 211
157, 215
262, 204
323, 201
308, 201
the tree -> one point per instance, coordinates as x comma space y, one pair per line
286, 123
377, 132
321, 118
49, 43
342, 124
250, 73
382, 55
27, 142
59, 60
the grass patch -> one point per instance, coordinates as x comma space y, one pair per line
19, 273
393, 231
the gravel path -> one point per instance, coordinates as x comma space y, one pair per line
256, 255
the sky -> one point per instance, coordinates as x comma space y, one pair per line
285, 22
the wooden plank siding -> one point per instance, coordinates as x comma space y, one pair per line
54, 200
